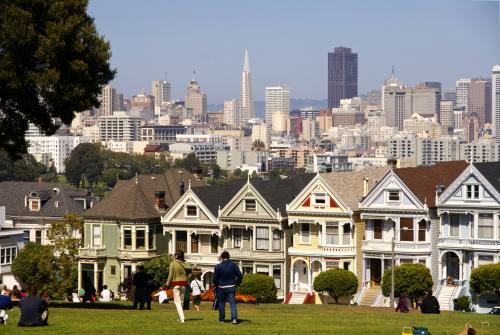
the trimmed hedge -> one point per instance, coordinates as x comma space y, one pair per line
260, 286
337, 283
412, 279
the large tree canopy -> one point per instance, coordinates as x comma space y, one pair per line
53, 64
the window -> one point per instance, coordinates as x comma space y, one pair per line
332, 265
191, 211
96, 236
7, 255
262, 239
127, 238
332, 233
140, 239
407, 234
246, 235
305, 233
214, 244
181, 240
346, 238
26, 236
319, 199
393, 196
472, 191
247, 269
263, 269
485, 259
34, 205
277, 276
406, 261
377, 229
454, 225
485, 225
112, 270
346, 265
276, 240
237, 238
38, 237
422, 227
250, 205
194, 244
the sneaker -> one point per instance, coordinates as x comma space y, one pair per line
221, 322
235, 321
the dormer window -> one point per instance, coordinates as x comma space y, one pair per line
472, 192
191, 210
250, 205
319, 199
34, 205
393, 196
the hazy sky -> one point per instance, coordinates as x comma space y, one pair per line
288, 42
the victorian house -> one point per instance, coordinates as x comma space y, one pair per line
401, 209
469, 211
124, 229
327, 229
246, 218
11, 242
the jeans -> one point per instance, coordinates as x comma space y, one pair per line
228, 294
178, 298
140, 297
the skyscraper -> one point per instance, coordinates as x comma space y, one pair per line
480, 100
246, 96
342, 75
161, 90
108, 100
196, 102
462, 89
277, 100
232, 112
495, 101
396, 102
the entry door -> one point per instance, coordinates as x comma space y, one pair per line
453, 266
375, 271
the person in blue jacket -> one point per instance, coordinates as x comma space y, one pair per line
227, 276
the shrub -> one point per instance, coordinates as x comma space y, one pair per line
260, 286
464, 303
486, 278
412, 279
337, 283
157, 268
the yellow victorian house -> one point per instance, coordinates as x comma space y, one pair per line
327, 230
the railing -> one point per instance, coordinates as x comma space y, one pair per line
386, 245
255, 253
360, 294
340, 250
92, 252
468, 241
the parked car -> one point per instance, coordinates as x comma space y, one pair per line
495, 310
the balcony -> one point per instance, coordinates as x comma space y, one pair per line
385, 246
339, 250
136, 254
92, 252
257, 254
469, 243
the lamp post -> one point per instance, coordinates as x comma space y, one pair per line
392, 260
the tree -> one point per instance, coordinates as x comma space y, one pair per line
51, 175
412, 279
65, 235
216, 170
337, 283
158, 268
53, 64
486, 278
25, 168
36, 266
190, 162
258, 144
84, 162
259, 285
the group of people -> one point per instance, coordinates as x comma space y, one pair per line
34, 309
427, 305
227, 276
15, 294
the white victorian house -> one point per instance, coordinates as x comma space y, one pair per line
469, 210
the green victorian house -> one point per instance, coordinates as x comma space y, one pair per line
125, 230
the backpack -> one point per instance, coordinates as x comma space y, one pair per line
421, 331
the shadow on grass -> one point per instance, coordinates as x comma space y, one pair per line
81, 305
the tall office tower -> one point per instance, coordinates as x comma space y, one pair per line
246, 94
277, 100
495, 101
161, 90
471, 127
144, 102
431, 84
396, 102
108, 101
480, 100
450, 95
232, 111
425, 100
196, 102
342, 75
120, 105
446, 113
462, 89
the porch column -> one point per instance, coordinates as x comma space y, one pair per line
270, 234
254, 240
133, 238
79, 275
188, 249
146, 236
122, 242
96, 269
292, 278
173, 242
309, 277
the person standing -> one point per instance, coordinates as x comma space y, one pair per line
196, 289
227, 276
177, 279
140, 283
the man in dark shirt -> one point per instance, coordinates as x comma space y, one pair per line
430, 305
140, 282
34, 311
227, 276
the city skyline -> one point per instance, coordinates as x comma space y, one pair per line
300, 59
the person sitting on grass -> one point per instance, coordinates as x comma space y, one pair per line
403, 304
468, 330
162, 295
34, 310
105, 294
430, 304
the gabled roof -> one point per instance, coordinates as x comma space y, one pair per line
422, 181
218, 195
490, 171
134, 199
349, 185
56, 199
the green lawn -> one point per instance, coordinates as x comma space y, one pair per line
256, 320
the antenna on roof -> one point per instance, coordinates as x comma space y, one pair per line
194, 74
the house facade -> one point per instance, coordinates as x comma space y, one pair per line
469, 236
326, 227
402, 207
11, 242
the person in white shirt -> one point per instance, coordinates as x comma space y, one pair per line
106, 294
162, 295
196, 289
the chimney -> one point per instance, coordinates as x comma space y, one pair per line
181, 187
392, 163
160, 200
365, 186
439, 190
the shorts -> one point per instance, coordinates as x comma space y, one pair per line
196, 300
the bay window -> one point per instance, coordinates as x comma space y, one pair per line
96, 236
454, 225
262, 239
276, 240
485, 225
346, 239
406, 234
127, 238
422, 227
237, 238
377, 229
140, 238
332, 233
305, 233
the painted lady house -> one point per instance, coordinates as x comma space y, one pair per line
327, 229
124, 229
402, 206
469, 237
246, 218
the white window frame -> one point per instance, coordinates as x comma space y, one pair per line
492, 226
332, 224
98, 245
234, 238
257, 238
277, 283
38, 202
12, 253
388, 196
449, 224
274, 239
145, 237
472, 191
302, 239
187, 211
317, 196
245, 207
132, 244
